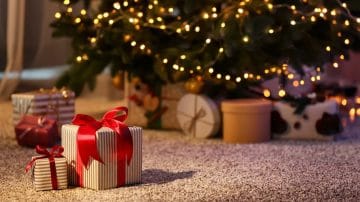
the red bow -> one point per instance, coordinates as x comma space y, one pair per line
56, 151
86, 138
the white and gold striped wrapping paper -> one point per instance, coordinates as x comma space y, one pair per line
38, 104
102, 176
42, 174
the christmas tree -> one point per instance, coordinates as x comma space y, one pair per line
227, 43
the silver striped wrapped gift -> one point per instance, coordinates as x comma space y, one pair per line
42, 174
98, 175
57, 104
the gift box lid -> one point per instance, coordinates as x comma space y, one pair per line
246, 106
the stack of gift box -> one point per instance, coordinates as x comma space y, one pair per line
96, 154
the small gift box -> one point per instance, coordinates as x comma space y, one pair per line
36, 130
320, 121
103, 154
57, 104
198, 116
49, 171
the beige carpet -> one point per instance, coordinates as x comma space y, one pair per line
178, 168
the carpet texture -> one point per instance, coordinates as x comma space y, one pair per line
178, 168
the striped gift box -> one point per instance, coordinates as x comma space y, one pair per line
100, 176
42, 174
55, 104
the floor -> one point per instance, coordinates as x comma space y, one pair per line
179, 168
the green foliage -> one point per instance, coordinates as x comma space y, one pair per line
254, 36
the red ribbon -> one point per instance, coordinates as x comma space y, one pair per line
56, 151
86, 141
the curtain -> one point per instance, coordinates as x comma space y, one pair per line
14, 46
25, 40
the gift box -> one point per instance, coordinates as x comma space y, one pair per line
198, 116
57, 104
36, 130
153, 110
102, 154
319, 121
246, 120
49, 171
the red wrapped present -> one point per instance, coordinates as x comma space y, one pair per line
104, 153
36, 130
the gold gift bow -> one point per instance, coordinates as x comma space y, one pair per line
190, 125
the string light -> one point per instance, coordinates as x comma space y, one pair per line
117, 5
57, 15
245, 39
282, 93
266, 93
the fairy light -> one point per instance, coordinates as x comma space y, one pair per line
227, 77
83, 12
211, 70
182, 69
221, 50
57, 15
142, 46
170, 10
106, 14
293, 22
347, 41
328, 48
96, 21
93, 40
111, 22
282, 93
214, 15
117, 5
77, 20
336, 65
198, 67
162, 27
342, 57
245, 39
150, 6
358, 112
290, 76
140, 14
183, 57
205, 16
78, 58
295, 83
222, 25
302, 82
238, 79
333, 12
66, 2
318, 77
293, 7
246, 75
151, 21
240, 10
69, 10
187, 27
344, 102
266, 93
270, 6
178, 30
313, 19
208, 40
344, 5
175, 66
218, 76
133, 43
313, 79
197, 29
271, 31
125, 3
347, 23
165, 60
213, 9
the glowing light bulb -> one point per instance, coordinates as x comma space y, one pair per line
290, 76
282, 93
183, 57
347, 41
313, 19
347, 23
208, 40
328, 48
165, 61
336, 65
344, 102
240, 10
111, 22
93, 40
266, 93
205, 16
125, 3
187, 27
66, 2
175, 66
57, 15
245, 39
238, 79
106, 14
83, 12
293, 22
69, 10
96, 21
342, 57
211, 70
227, 77
133, 43
302, 82
78, 58
271, 31
117, 5
218, 76
170, 10
197, 29
246, 76
142, 46
222, 25
198, 67
221, 50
